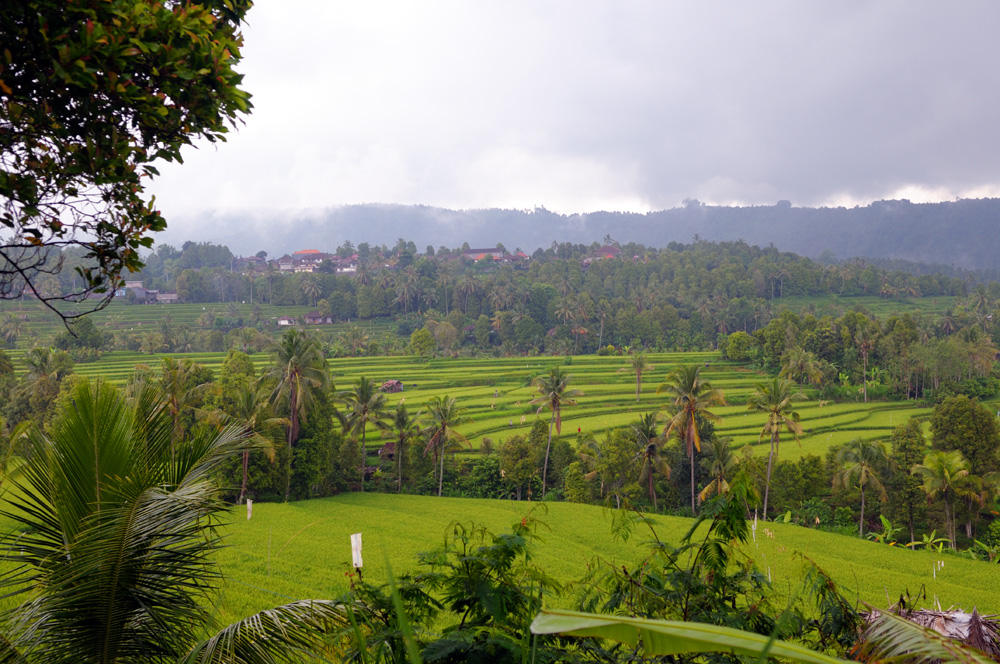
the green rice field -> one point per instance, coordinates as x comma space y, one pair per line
497, 395
302, 550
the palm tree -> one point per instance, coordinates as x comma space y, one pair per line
554, 393
250, 411
297, 372
180, 394
443, 414
649, 455
310, 288
640, 364
865, 339
802, 367
861, 464
405, 429
113, 546
945, 475
366, 404
690, 398
720, 465
775, 399
12, 328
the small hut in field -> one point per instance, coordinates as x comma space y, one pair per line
392, 386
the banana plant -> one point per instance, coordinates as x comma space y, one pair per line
888, 534
931, 542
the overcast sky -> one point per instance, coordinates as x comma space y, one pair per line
580, 106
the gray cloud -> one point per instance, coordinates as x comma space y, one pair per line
581, 106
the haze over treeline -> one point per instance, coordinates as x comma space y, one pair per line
960, 233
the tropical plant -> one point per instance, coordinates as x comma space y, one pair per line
249, 409
802, 367
554, 394
404, 429
297, 372
639, 364
650, 460
775, 399
443, 414
862, 464
690, 398
720, 465
945, 476
366, 404
111, 553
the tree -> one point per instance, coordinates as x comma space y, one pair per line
405, 429
862, 465
690, 398
906, 499
775, 400
422, 342
113, 546
554, 393
518, 462
650, 460
960, 423
250, 411
639, 364
366, 404
92, 96
443, 414
310, 288
945, 476
720, 465
297, 371
802, 367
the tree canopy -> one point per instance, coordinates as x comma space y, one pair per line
92, 96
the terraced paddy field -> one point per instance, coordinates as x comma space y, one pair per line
137, 318
497, 392
834, 305
301, 550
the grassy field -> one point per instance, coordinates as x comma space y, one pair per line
833, 305
496, 393
302, 550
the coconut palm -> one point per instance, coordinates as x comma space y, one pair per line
297, 372
862, 463
690, 398
775, 399
802, 367
181, 396
719, 465
250, 411
311, 288
12, 327
404, 429
554, 393
865, 339
639, 364
945, 476
649, 454
112, 547
443, 414
366, 404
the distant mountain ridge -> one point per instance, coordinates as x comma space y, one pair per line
961, 233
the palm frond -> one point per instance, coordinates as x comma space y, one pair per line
289, 633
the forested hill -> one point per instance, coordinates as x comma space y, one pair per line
961, 233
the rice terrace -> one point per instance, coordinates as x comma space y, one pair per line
491, 333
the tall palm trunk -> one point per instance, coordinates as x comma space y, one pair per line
861, 524
545, 466
770, 464
293, 430
652, 492
243, 487
364, 449
399, 466
690, 437
441, 473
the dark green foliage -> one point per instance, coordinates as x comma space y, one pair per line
960, 423
907, 502
93, 95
